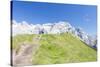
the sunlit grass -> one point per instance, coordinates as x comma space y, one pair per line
58, 48
19, 39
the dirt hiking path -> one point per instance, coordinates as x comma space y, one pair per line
24, 56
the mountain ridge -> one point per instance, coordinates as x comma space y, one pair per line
52, 28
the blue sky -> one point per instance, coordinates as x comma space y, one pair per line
83, 16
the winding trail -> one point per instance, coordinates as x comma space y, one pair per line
24, 56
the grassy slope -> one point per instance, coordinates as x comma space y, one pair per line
55, 48
19, 39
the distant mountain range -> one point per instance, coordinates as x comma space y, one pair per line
53, 28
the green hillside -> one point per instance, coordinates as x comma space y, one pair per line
55, 48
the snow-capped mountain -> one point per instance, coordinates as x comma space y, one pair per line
51, 28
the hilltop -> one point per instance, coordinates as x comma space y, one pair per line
56, 48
